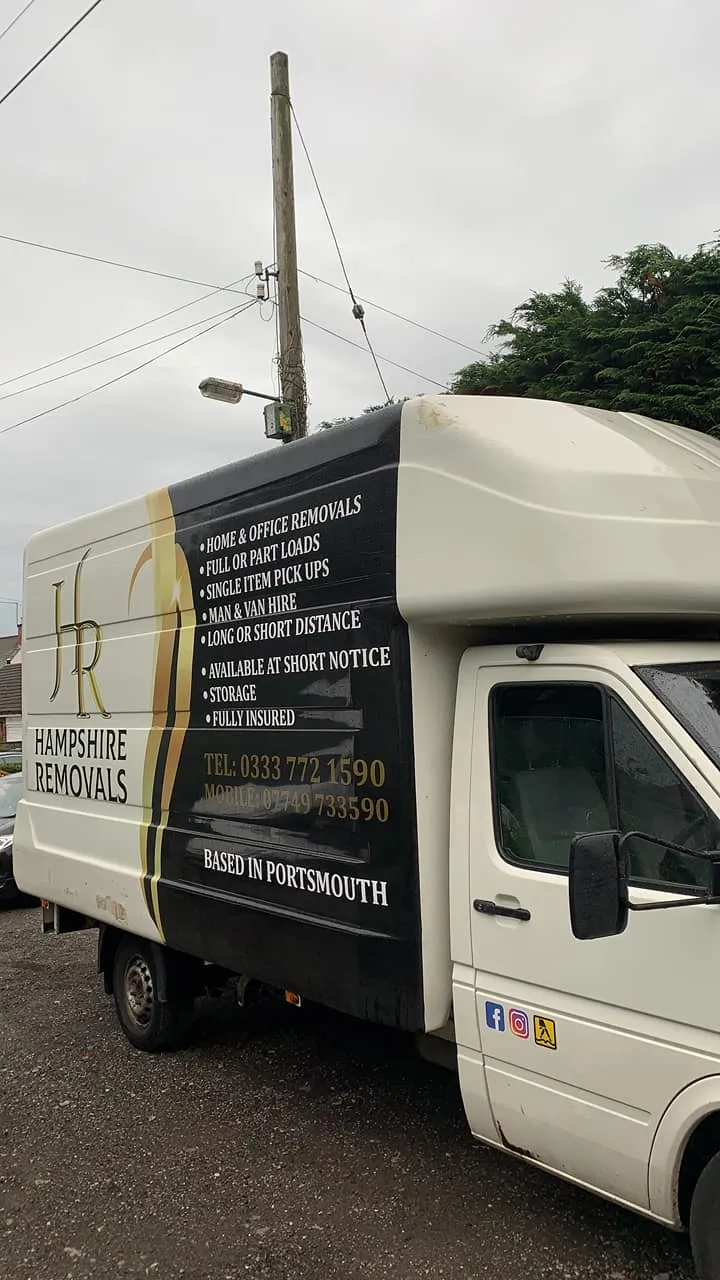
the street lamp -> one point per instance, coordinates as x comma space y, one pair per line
279, 423
219, 389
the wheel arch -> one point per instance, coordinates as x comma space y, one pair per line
687, 1137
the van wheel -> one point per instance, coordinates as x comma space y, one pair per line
705, 1222
148, 1023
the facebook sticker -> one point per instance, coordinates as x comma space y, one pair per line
495, 1015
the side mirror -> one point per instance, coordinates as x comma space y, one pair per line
597, 886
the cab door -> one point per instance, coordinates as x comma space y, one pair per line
581, 1046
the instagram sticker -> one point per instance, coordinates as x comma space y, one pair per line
519, 1023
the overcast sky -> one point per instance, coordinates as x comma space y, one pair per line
469, 152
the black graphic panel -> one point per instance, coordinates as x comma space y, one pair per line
290, 849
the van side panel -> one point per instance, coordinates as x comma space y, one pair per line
76, 837
271, 781
317, 808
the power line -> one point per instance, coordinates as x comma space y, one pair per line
397, 316
52, 49
228, 288
52, 364
70, 373
322, 201
17, 18
123, 266
111, 381
357, 308
385, 359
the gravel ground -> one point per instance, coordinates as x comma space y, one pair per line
283, 1145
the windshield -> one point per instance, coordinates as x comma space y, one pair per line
691, 691
10, 791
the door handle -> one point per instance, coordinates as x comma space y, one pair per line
488, 908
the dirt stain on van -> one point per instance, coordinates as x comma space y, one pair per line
109, 906
435, 415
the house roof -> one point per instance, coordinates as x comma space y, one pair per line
10, 690
8, 648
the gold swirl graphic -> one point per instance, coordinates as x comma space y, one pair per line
172, 667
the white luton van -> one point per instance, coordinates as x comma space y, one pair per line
406, 718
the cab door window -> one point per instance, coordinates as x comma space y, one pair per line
568, 759
550, 769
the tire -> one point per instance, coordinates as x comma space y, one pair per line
149, 1023
705, 1222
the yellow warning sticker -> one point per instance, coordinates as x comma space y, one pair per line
544, 1032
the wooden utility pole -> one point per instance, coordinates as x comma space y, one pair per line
292, 372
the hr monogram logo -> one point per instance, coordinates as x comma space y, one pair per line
85, 631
